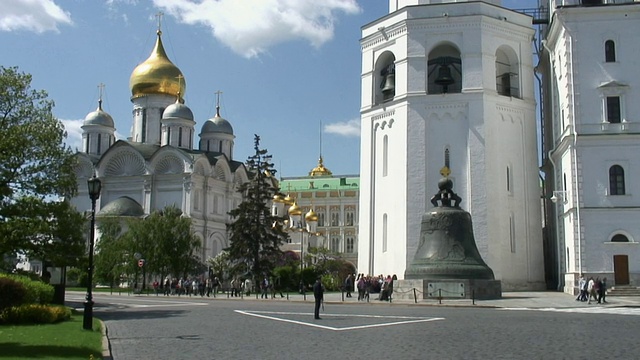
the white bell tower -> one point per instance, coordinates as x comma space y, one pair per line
454, 79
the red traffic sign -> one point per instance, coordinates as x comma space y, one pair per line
141, 262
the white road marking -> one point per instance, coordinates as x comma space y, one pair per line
585, 310
267, 315
143, 303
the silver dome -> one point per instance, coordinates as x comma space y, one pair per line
217, 125
178, 110
122, 206
98, 117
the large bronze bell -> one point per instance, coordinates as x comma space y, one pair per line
389, 84
444, 76
447, 248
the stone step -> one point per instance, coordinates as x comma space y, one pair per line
623, 291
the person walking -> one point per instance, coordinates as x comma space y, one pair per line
318, 294
582, 289
591, 290
603, 291
348, 284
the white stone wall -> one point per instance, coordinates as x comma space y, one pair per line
484, 133
583, 154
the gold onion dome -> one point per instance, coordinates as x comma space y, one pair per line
157, 75
288, 200
295, 210
278, 198
320, 170
311, 216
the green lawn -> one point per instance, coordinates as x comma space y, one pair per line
66, 340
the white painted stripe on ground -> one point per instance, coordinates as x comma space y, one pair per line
584, 310
266, 315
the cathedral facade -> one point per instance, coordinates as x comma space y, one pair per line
158, 166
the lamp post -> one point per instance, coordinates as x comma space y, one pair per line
94, 186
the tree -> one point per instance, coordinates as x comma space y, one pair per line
165, 239
110, 259
36, 171
253, 239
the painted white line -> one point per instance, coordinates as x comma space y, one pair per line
584, 310
263, 314
285, 320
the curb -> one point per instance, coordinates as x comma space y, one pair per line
106, 347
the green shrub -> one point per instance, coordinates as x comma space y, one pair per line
37, 292
35, 314
13, 293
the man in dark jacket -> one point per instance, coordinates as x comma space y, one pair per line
318, 294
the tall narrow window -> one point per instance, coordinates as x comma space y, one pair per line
610, 51
335, 244
508, 179
144, 125
350, 245
512, 233
613, 109
385, 154
384, 233
180, 136
168, 135
616, 180
99, 143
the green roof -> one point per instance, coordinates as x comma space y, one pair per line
298, 184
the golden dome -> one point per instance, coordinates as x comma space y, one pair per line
311, 216
295, 210
157, 75
288, 200
320, 170
278, 198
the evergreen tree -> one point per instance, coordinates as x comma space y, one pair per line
253, 238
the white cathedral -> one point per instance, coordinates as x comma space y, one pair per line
158, 165
452, 82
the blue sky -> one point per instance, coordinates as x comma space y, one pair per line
288, 70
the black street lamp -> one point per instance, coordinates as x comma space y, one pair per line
94, 185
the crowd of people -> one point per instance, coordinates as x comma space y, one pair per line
367, 285
592, 289
188, 286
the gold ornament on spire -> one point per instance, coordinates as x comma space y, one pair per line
320, 170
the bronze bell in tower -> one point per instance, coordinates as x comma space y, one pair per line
447, 248
444, 78
388, 85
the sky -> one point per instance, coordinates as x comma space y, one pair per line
289, 70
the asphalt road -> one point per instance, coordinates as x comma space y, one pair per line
196, 328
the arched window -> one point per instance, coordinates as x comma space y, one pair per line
507, 72
619, 238
616, 180
384, 80
609, 51
444, 70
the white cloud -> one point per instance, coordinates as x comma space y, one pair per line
349, 128
74, 133
32, 15
251, 27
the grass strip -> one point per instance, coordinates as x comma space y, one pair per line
65, 340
